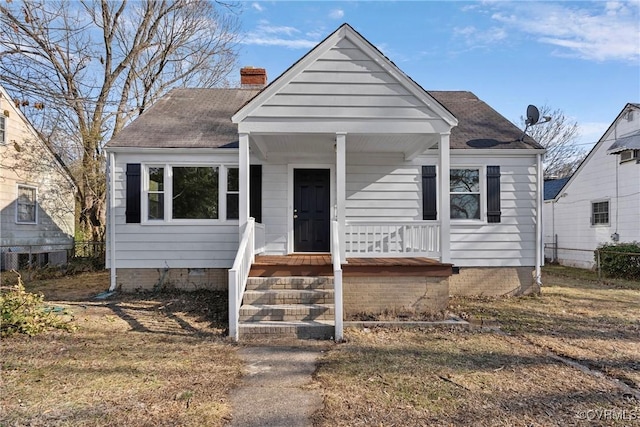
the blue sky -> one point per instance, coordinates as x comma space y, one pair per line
581, 57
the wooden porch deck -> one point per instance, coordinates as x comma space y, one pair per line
321, 265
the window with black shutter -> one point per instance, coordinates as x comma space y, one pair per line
493, 194
132, 211
429, 199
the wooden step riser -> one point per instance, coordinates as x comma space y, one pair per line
290, 270
288, 297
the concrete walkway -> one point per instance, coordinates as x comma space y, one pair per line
277, 389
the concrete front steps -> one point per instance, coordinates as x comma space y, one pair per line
294, 307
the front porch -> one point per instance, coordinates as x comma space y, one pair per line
310, 295
311, 265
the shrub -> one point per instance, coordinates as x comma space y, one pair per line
621, 260
25, 312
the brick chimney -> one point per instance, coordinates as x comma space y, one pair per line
253, 78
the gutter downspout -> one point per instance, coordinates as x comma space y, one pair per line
112, 220
538, 277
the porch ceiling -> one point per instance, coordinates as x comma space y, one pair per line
408, 144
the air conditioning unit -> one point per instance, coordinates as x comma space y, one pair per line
628, 155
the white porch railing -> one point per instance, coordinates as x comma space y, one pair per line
392, 238
238, 276
337, 280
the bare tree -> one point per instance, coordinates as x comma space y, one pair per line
559, 137
95, 65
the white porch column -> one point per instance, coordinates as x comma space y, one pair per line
341, 188
445, 207
243, 172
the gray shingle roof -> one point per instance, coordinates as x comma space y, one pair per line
187, 118
200, 118
479, 125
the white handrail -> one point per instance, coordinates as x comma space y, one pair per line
238, 276
337, 280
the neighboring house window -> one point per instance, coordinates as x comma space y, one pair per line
3, 130
233, 193
155, 195
465, 193
26, 205
600, 213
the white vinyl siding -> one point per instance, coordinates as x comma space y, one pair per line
383, 187
274, 207
512, 241
166, 244
345, 86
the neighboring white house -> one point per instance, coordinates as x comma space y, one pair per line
37, 195
600, 203
342, 141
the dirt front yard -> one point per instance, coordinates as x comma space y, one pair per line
570, 356
136, 360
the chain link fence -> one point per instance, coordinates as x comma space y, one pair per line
23, 257
591, 259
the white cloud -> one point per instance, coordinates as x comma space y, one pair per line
477, 38
271, 29
605, 31
336, 14
271, 35
257, 6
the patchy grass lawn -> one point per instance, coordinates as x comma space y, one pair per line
143, 360
506, 373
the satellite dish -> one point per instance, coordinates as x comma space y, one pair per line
533, 115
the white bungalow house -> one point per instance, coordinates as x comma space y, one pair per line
342, 187
600, 203
37, 195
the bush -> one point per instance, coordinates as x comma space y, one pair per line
620, 260
24, 312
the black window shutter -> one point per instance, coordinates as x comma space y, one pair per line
493, 193
255, 192
429, 200
133, 193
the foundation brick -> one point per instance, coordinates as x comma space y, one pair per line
493, 281
429, 295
